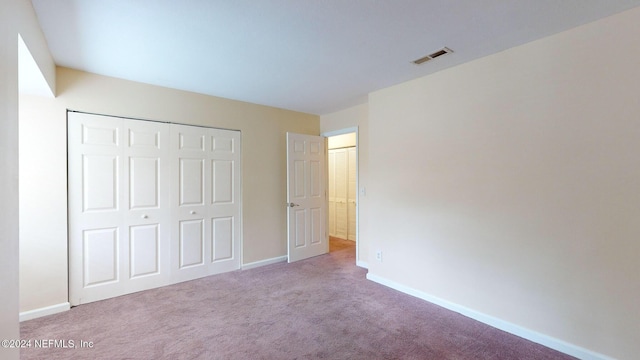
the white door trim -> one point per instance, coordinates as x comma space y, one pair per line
350, 130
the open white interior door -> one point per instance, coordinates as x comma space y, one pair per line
306, 202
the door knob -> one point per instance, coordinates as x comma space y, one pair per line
144, 216
192, 212
292, 204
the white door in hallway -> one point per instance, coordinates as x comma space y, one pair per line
306, 197
340, 185
342, 192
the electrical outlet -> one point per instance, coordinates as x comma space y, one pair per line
379, 255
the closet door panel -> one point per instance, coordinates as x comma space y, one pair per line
146, 218
224, 201
95, 165
209, 201
150, 204
190, 227
118, 208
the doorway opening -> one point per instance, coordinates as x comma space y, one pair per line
342, 189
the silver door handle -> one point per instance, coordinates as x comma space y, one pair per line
292, 204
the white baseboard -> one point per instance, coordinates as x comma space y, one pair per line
265, 262
48, 310
548, 341
362, 264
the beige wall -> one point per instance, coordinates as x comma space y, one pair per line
263, 164
16, 17
43, 204
356, 116
511, 185
343, 119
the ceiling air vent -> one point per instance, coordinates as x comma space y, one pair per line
432, 56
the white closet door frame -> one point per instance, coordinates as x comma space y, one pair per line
331, 202
352, 192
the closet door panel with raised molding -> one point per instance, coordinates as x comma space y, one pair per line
150, 204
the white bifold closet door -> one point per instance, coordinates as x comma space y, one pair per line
150, 204
342, 193
206, 216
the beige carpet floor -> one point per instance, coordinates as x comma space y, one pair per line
320, 308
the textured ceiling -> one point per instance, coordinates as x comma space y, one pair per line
314, 56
